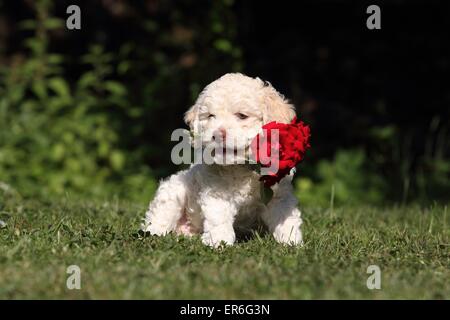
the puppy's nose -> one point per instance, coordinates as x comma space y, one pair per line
220, 134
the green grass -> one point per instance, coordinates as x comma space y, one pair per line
409, 244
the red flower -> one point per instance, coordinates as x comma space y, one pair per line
282, 155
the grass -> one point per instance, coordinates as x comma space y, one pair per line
409, 244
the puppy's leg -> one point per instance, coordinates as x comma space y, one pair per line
218, 221
167, 206
282, 215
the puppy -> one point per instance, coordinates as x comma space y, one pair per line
217, 199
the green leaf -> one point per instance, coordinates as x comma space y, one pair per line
223, 45
117, 160
53, 23
16, 94
58, 152
60, 87
35, 45
39, 89
115, 87
55, 58
87, 80
123, 67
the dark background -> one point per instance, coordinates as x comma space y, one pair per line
91, 111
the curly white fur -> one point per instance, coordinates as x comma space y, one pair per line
215, 200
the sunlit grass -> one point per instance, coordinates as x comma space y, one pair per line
409, 244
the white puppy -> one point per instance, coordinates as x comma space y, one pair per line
218, 199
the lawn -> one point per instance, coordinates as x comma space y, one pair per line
41, 239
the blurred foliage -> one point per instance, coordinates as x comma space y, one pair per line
90, 112
344, 180
58, 136
85, 124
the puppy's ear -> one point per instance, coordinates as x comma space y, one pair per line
191, 116
275, 106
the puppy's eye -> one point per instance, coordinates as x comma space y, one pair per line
241, 116
211, 116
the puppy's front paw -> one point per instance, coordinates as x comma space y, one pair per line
217, 236
288, 234
155, 229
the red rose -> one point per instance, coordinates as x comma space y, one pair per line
282, 155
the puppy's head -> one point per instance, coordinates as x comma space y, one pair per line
230, 112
